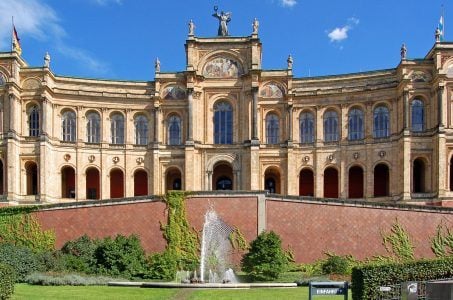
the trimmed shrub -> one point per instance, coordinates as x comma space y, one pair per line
367, 279
266, 258
162, 266
6, 281
66, 279
80, 254
21, 259
122, 256
336, 264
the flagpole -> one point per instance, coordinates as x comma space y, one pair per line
12, 33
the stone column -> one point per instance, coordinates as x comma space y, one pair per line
12, 110
156, 113
406, 110
255, 113
190, 116
440, 105
290, 123
209, 180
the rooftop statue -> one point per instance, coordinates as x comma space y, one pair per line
224, 18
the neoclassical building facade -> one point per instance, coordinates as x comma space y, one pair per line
225, 123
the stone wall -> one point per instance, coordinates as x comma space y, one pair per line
309, 227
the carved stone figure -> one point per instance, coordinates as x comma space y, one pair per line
255, 26
47, 60
437, 35
157, 65
224, 18
290, 62
191, 28
403, 51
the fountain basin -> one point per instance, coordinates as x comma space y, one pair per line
202, 285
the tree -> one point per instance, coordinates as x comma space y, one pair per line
266, 258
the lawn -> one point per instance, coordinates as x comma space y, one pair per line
24, 291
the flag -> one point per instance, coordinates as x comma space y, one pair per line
16, 42
441, 28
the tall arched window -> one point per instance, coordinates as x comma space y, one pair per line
117, 129
33, 121
381, 122
307, 132
141, 130
331, 126
418, 115
68, 126
93, 128
272, 129
355, 122
174, 130
223, 123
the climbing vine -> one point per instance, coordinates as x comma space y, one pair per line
398, 243
237, 240
442, 242
20, 228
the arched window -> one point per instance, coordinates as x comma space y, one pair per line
93, 128
272, 129
141, 130
174, 130
331, 126
117, 129
307, 132
33, 121
355, 122
381, 122
68, 126
223, 123
418, 115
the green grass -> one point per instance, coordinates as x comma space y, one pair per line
24, 291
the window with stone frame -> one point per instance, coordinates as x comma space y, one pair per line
68, 126
272, 129
33, 121
331, 127
223, 123
117, 128
93, 128
356, 130
417, 115
381, 122
174, 130
307, 128
141, 130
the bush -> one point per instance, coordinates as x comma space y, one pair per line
265, 259
367, 279
162, 266
21, 259
122, 256
6, 281
67, 279
51, 261
80, 254
336, 264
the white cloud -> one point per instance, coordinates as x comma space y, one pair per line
106, 2
341, 33
288, 3
39, 21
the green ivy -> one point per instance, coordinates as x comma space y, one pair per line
398, 243
442, 242
237, 240
19, 227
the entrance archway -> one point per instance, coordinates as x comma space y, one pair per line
356, 182
330, 183
306, 183
381, 180
92, 183
418, 176
31, 170
173, 179
222, 177
116, 183
67, 182
272, 180
140, 183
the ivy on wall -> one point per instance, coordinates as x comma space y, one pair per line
398, 243
19, 227
442, 242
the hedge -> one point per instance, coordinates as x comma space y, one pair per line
6, 281
366, 280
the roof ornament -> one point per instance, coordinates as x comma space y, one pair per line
47, 60
290, 62
403, 51
191, 28
437, 35
255, 26
157, 65
224, 18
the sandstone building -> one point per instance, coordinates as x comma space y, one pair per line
225, 123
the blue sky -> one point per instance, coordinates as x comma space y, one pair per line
120, 39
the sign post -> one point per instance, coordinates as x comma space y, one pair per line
327, 288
